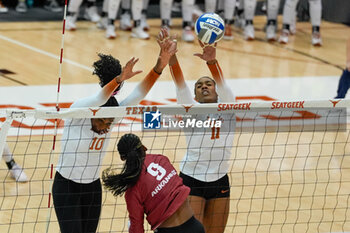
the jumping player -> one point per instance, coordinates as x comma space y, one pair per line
76, 189
167, 207
206, 163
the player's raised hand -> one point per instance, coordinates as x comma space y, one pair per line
127, 71
168, 48
209, 52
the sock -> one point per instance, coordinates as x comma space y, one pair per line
137, 23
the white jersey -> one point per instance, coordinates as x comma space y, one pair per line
208, 150
83, 150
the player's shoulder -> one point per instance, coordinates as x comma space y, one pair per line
155, 158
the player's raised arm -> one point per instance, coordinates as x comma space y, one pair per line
106, 92
209, 55
167, 50
183, 92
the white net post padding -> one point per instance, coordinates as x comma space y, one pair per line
288, 171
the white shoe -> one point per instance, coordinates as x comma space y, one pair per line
110, 32
144, 24
102, 24
284, 37
91, 14
187, 34
52, 6
125, 22
271, 33
70, 23
249, 33
316, 39
21, 7
138, 32
18, 174
3, 9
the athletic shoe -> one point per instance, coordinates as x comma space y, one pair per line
52, 6
21, 7
70, 23
143, 23
228, 32
316, 39
249, 33
110, 32
102, 24
91, 14
284, 37
271, 33
187, 34
138, 32
18, 174
125, 22
3, 9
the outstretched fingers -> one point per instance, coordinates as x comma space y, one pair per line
128, 69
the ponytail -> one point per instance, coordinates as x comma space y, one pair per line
130, 150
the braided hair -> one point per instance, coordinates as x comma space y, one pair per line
133, 153
107, 68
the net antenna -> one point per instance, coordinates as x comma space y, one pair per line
57, 109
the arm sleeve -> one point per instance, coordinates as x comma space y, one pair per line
135, 209
224, 92
141, 90
99, 98
183, 93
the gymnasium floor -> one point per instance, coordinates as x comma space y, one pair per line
254, 70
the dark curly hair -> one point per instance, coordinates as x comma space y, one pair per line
107, 68
133, 153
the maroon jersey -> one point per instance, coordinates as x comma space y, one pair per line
158, 193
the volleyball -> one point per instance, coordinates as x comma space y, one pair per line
210, 28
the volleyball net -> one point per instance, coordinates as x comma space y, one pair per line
288, 166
